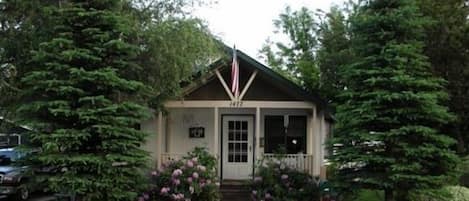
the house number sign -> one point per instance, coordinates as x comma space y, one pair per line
197, 132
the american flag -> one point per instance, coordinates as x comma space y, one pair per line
235, 74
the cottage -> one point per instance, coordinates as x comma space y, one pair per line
240, 128
12, 134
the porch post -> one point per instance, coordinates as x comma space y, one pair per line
215, 132
316, 143
159, 139
310, 139
257, 134
310, 133
323, 147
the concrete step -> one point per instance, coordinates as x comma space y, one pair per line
234, 190
236, 196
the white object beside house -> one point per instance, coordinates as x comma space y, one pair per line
270, 111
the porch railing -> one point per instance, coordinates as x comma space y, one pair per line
301, 162
167, 157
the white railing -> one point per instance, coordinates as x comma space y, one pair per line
301, 162
167, 157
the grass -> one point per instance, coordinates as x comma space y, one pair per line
369, 195
459, 193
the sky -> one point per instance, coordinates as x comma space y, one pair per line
248, 23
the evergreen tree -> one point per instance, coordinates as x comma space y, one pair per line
388, 131
295, 60
82, 104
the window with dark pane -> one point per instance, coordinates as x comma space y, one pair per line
296, 135
274, 133
293, 138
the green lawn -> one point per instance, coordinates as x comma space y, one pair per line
370, 195
460, 193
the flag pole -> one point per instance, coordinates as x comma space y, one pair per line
235, 75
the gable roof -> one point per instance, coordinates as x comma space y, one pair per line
267, 73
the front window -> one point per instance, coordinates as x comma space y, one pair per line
285, 132
8, 155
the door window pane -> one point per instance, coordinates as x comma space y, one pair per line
244, 158
244, 125
237, 158
244, 135
244, 147
230, 135
238, 142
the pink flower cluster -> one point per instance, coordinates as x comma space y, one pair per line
275, 180
182, 180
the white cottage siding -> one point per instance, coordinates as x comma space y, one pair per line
180, 120
150, 126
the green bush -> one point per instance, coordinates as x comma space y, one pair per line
459, 193
192, 178
464, 179
449, 193
275, 181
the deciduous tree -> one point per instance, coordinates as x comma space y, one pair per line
295, 60
333, 54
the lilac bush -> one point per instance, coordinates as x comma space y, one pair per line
189, 179
275, 181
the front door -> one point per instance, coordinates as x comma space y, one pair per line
237, 147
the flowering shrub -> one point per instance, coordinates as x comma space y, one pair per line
189, 179
275, 181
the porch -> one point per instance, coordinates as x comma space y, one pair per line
267, 125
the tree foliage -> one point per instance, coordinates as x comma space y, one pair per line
333, 54
388, 128
295, 60
447, 46
83, 105
172, 43
82, 73
175, 45
23, 26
